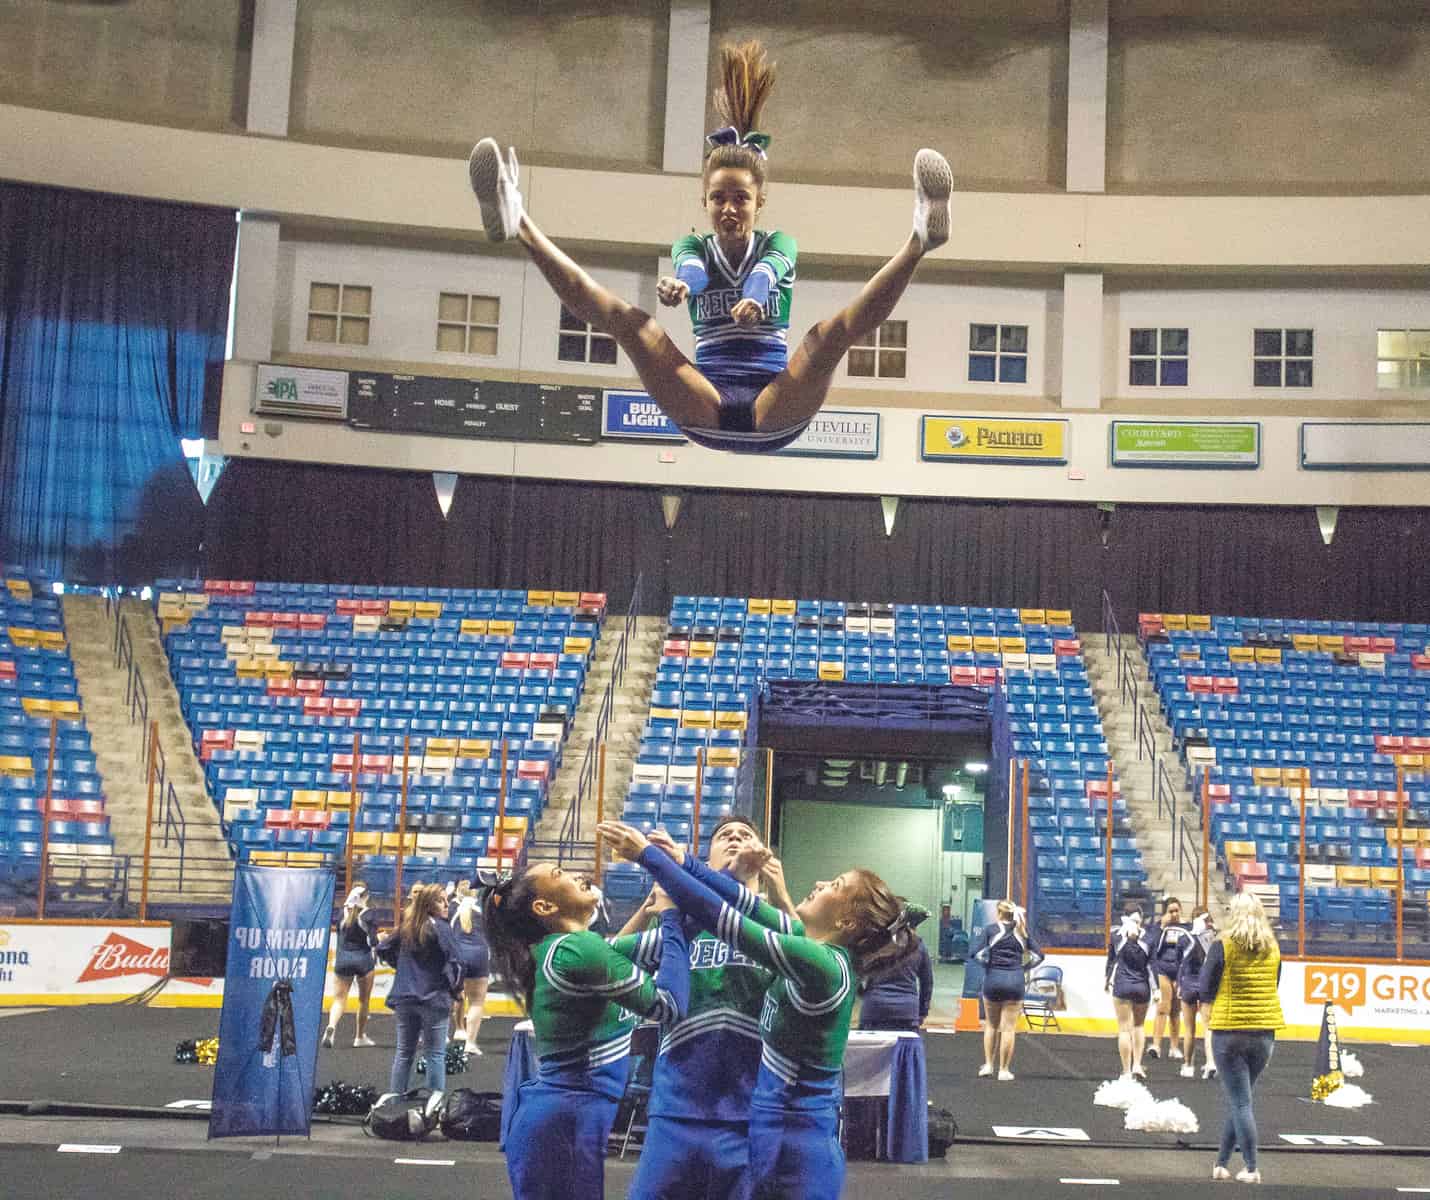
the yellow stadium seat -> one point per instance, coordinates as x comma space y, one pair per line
722, 756
1305, 642
758, 604
335, 801
277, 669
400, 608
565, 599
960, 643
782, 608
427, 610
1012, 645
1411, 762
731, 720
441, 746
474, 748
196, 600
1349, 876
304, 858
308, 798
366, 842
510, 825
831, 671
542, 598
1332, 642
16, 764
1294, 776
1059, 616
697, 718
576, 645
25, 638
665, 714
268, 858
393, 843
985, 645
248, 668
501, 628
1033, 616
701, 650
1266, 776
1385, 877
51, 639
172, 622
473, 627
1199, 622
20, 589
1174, 620
171, 598
1240, 850
1268, 654
1404, 837
1240, 654
35, 706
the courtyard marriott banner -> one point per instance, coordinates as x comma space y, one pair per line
994, 440
1232, 445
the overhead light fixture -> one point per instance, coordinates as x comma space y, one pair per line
975, 768
951, 791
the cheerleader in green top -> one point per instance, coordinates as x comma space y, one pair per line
845, 927
583, 997
745, 392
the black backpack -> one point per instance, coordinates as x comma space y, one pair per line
943, 1129
470, 1116
403, 1118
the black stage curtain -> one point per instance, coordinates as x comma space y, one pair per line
271, 520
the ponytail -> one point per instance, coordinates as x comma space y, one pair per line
884, 941
512, 929
746, 77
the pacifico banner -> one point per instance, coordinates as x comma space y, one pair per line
1374, 1000
994, 440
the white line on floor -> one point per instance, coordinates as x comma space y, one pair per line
1412, 1189
82, 1148
425, 1162
1094, 1182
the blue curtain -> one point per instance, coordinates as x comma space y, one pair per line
113, 313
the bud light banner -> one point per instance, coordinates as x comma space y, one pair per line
636, 415
272, 1001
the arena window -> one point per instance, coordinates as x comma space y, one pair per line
1158, 358
998, 353
578, 342
885, 355
467, 324
340, 313
1402, 358
1281, 357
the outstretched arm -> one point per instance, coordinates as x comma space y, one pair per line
593, 967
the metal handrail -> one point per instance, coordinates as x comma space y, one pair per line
1189, 849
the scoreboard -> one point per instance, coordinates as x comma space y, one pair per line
474, 408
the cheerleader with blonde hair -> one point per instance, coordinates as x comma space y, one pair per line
745, 392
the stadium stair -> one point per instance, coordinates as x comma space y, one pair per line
1154, 834
208, 872
629, 705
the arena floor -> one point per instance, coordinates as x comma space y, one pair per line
105, 1076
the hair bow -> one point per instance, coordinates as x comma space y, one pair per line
730, 136
902, 921
355, 897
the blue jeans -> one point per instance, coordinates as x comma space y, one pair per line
1240, 1056
429, 1021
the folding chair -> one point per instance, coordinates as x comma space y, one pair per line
1044, 985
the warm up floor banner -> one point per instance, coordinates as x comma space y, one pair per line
272, 1001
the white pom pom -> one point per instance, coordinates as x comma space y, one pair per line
1121, 1093
1162, 1116
1351, 1066
1349, 1095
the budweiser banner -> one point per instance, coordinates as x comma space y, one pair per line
50, 963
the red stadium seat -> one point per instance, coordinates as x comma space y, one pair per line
258, 617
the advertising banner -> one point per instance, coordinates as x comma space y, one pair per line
80, 964
1365, 445
300, 391
635, 415
1225, 444
1373, 1000
838, 433
272, 1001
993, 440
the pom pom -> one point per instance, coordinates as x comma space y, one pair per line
1351, 1066
1121, 1093
457, 1059
1161, 1116
1323, 1085
207, 1050
186, 1051
1348, 1095
344, 1099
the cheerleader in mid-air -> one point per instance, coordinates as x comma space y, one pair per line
845, 927
745, 392
583, 997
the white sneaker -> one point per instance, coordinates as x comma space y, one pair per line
1221, 1174
933, 184
1005, 1076
1139, 1074
363, 1041
495, 185
474, 1050
434, 1104
1188, 1071
1246, 1176
985, 1071
328, 1036
1209, 1071
1174, 1053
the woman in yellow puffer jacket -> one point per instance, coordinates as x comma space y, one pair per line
1239, 981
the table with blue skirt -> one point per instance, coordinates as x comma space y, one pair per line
885, 1069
